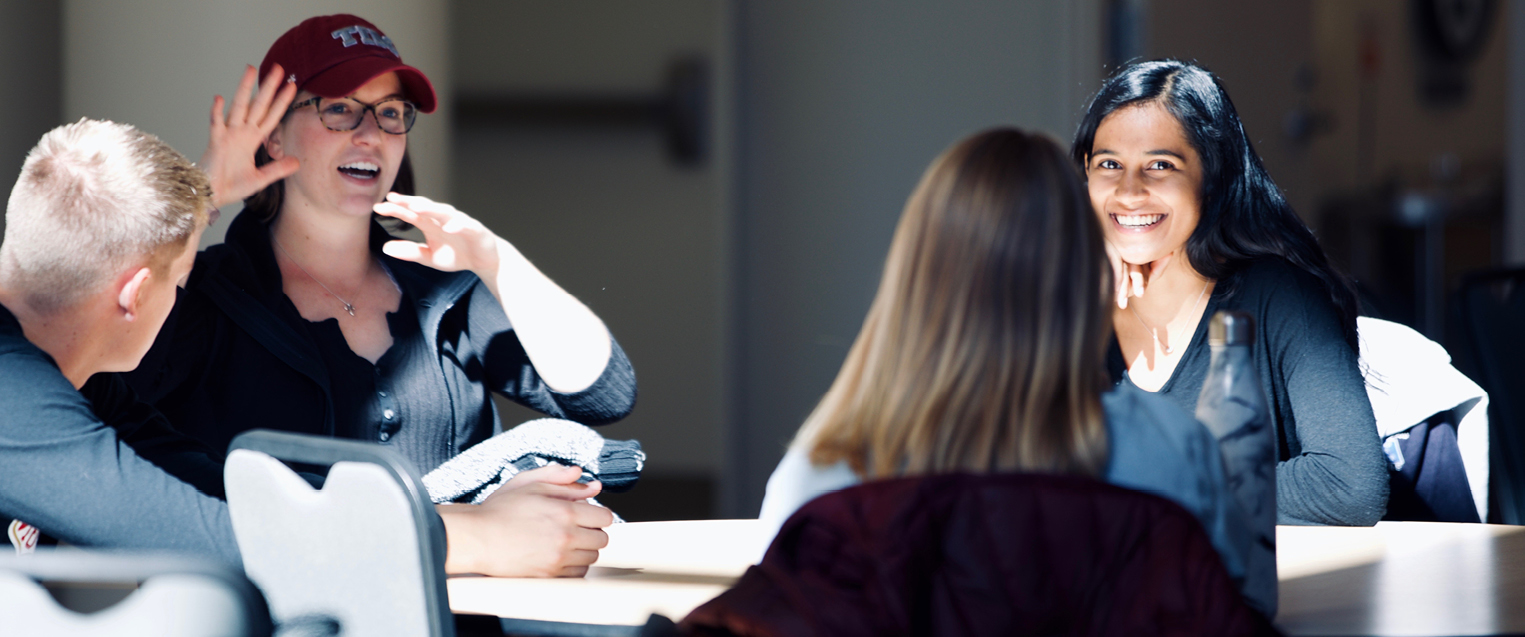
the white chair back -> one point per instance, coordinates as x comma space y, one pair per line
168, 596
366, 551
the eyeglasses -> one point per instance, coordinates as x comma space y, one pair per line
342, 114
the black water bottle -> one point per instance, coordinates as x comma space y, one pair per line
1233, 406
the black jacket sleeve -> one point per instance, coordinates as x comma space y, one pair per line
150, 434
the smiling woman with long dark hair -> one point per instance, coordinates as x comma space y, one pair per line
1194, 225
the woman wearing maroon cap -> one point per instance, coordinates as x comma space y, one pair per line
311, 318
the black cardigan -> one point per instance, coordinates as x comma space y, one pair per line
234, 355
1330, 469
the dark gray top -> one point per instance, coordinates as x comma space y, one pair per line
1330, 466
66, 466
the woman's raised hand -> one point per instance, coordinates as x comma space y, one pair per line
454, 241
567, 343
229, 158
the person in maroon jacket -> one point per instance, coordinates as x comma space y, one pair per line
983, 353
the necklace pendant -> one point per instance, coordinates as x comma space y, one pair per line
1169, 350
351, 309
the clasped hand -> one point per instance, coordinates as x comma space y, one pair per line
539, 524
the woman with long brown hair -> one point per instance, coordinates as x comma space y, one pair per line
312, 318
984, 350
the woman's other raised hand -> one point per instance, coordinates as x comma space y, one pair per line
568, 344
453, 240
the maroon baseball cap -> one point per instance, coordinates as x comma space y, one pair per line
332, 55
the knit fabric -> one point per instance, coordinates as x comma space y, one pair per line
477, 472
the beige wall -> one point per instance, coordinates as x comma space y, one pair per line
841, 106
1260, 48
30, 67
1407, 134
601, 209
156, 65
1256, 49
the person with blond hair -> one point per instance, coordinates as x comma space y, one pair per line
101, 227
983, 352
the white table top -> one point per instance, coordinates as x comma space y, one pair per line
668, 568
1398, 578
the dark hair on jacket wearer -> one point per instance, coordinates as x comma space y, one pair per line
1243, 214
266, 204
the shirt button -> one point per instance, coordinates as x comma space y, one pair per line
385, 436
387, 414
381, 394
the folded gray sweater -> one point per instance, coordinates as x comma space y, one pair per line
477, 472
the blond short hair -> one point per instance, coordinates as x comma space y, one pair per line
95, 197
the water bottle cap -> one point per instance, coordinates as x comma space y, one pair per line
1230, 327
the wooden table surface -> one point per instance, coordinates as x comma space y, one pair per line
1398, 578
1402, 578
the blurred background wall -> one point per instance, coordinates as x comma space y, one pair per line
562, 147
719, 179
841, 106
31, 63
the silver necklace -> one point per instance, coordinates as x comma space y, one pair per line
1152, 332
348, 307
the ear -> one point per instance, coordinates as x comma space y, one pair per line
273, 143
127, 299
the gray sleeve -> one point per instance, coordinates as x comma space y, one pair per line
1337, 474
1157, 448
609, 398
508, 371
65, 471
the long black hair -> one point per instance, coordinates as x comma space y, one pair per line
1244, 215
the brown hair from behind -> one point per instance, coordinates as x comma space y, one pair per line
983, 348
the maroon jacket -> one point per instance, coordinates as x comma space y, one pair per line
985, 555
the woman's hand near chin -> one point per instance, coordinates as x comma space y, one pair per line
1127, 278
566, 342
236, 135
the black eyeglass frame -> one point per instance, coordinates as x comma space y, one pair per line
366, 108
